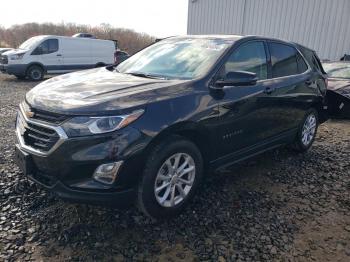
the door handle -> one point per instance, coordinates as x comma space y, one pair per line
58, 55
269, 90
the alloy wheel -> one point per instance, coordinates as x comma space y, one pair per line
309, 130
174, 179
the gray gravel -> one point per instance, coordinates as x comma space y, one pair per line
278, 206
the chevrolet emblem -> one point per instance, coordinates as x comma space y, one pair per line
29, 114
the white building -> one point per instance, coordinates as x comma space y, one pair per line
323, 25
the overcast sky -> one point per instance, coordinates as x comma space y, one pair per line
159, 18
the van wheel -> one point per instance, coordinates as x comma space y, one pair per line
171, 176
35, 73
307, 132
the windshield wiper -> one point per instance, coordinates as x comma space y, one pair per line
140, 74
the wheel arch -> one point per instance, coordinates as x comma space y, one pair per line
35, 64
192, 131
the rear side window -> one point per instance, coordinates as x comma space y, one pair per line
317, 63
250, 57
47, 47
302, 66
283, 60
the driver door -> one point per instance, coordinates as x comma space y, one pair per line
48, 53
242, 118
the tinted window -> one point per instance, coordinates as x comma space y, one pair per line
47, 47
53, 45
249, 57
283, 59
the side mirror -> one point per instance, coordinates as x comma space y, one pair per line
238, 78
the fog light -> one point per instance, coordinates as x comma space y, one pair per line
107, 173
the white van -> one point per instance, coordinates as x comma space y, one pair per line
56, 54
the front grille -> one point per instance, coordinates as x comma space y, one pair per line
44, 116
44, 179
4, 60
48, 116
39, 137
36, 136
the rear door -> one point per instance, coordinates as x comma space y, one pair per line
289, 84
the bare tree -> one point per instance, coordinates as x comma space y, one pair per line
128, 40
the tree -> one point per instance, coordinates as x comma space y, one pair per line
128, 40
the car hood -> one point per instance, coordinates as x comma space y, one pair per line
100, 90
341, 86
15, 51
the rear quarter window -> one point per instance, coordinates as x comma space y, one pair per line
302, 66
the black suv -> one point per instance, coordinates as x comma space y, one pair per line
148, 129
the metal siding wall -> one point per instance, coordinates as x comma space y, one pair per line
323, 25
215, 17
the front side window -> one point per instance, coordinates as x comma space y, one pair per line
47, 47
179, 58
283, 60
250, 57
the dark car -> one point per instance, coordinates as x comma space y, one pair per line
149, 129
120, 56
338, 92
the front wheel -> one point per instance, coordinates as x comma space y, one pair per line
307, 132
172, 174
35, 73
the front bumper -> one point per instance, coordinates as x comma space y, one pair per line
122, 198
68, 169
14, 69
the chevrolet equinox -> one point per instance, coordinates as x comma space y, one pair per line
147, 130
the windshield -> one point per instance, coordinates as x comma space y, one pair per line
30, 42
338, 70
178, 58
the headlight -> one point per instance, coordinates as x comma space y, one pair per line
17, 56
83, 126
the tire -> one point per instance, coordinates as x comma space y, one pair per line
35, 73
20, 77
304, 140
159, 205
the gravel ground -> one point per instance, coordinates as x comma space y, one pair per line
280, 206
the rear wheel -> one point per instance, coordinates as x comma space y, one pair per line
307, 132
35, 73
172, 174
